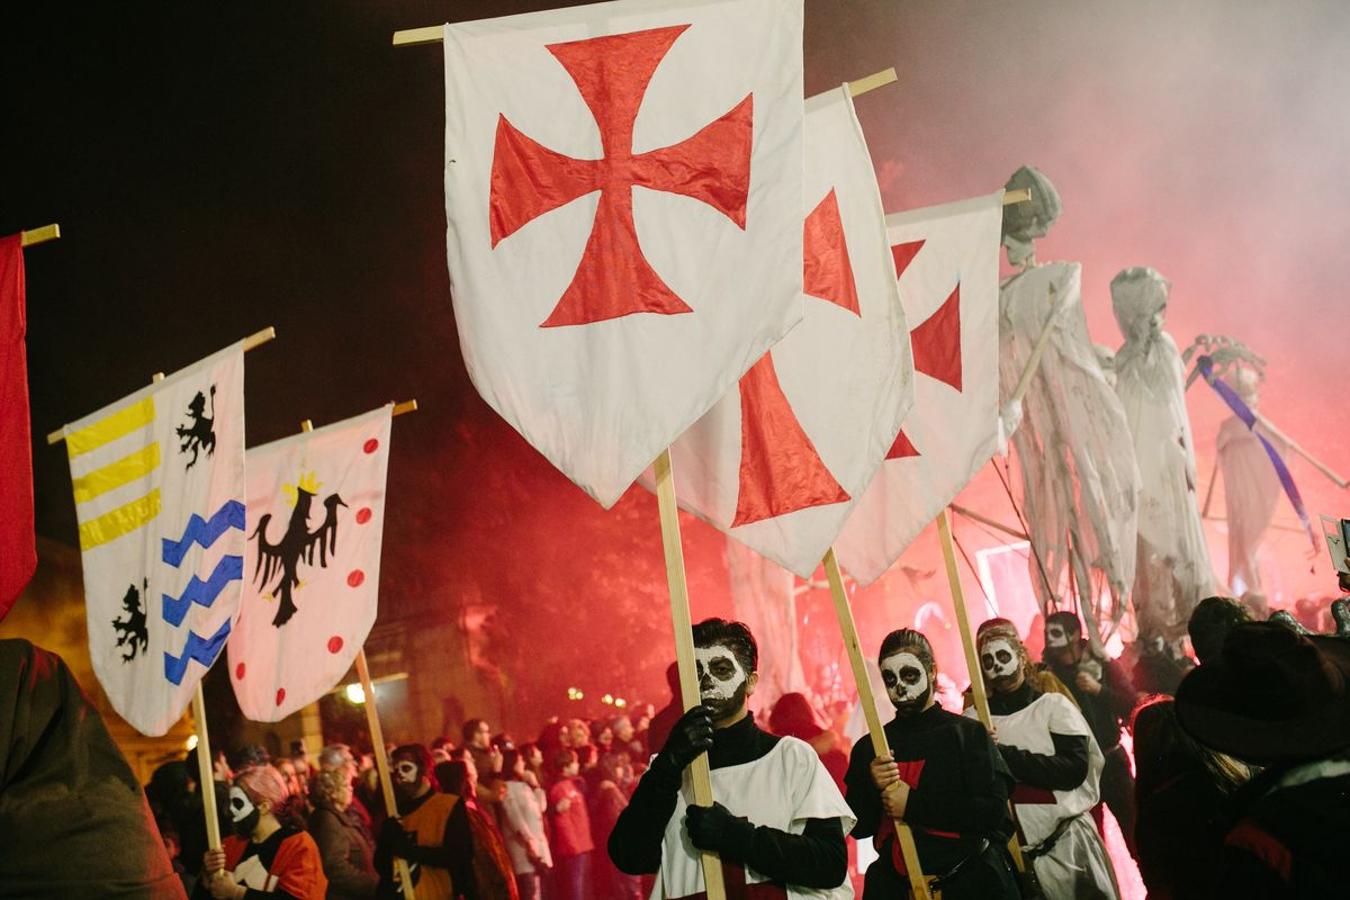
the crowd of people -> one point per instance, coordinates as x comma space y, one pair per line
1239, 785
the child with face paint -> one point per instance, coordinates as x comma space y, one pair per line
1106, 698
263, 858
1052, 754
431, 832
778, 822
943, 777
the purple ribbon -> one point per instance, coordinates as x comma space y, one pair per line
1240, 409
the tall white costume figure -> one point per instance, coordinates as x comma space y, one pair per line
1080, 483
1173, 571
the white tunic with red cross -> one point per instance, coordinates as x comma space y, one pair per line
782, 789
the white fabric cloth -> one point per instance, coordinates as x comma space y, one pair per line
159, 496
949, 286
623, 189
1250, 491
1074, 447
779, 463
1077, 867
1172, 569
333, 550
781, 789
523, 810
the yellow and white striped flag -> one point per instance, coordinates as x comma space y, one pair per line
159, 490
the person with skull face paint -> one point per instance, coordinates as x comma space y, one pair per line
1106, 698
1056, 762
778, 822
431, 832
263, 858
943, 778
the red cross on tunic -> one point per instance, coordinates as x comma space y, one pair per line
781, 471
613, 278
936, 343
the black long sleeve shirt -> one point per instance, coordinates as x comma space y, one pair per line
1107, 709
1062, 770
816, 858
959, 786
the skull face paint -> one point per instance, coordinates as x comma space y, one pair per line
907, 682
243, 814
722, 680
406, 772
1056, 636
1000, 660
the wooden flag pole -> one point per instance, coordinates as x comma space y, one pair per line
205, 769
41, 235
977, 691
919, 884
1021, 195
373, 717
871, 82
257, 339
699, 773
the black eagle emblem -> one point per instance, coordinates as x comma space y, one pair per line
282, 561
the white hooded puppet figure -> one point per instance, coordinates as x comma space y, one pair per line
1173, 571
1250, 487
1080, 483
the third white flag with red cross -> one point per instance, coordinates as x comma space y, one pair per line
779, 462
947, 261
623, 189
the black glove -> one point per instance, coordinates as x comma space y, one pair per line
692, 735
401, 843
715, 829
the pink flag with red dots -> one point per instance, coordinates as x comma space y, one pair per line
946, 258
312, 567
623, 189
781, 460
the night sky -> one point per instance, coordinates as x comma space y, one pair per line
217, 170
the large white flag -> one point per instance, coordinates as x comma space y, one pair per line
623, 190
315, 525
779, 463
159, 495
947, 261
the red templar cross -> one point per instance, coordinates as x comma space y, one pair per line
613, 278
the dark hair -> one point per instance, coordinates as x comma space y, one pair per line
734, 635
561, 760
1211, 620
1162, 748
454, 777
470, 728
248, 756
420, 755
511, 756
910, 640
443, 741
1067, 620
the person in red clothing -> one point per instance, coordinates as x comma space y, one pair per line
793, 716
608, 800
571, 826
263, 858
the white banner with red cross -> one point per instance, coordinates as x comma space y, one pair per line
946, 259
312, 568
624, 198
779, 463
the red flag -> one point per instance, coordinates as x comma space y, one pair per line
18, 552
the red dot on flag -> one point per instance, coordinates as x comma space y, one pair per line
363, 515
239, 671
334, 644
371, 445
355, 578
281, 696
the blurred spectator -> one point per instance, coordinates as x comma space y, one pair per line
1211, 620
571, 827
793, 716
522, 821
344, 843
607, 801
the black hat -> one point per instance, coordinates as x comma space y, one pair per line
1271, 696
